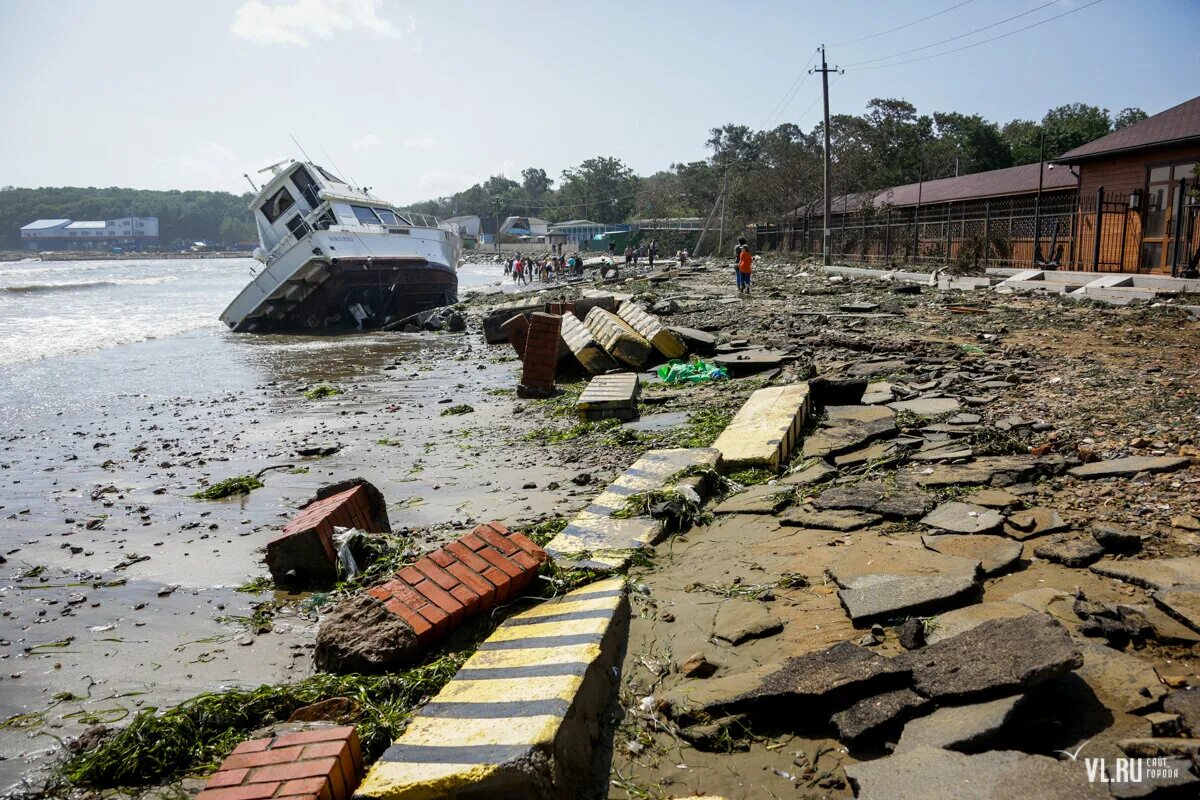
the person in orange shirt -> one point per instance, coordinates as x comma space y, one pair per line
744, 266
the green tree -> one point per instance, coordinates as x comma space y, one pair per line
535, 183
1128, 116
602, 189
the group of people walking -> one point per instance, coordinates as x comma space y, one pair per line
526, 269
634, 254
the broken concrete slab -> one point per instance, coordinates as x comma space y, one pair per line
1186, 703
878, 392
809, 476
848, 427
1023, 525
882, 578
1020, 653
696, 340
959, 620
958, 517
982, 471
765, 429
1074, 552
652, 330
927, 406
844, 521
994, 553
876, 497
1116, 540
1181, 603
621, 341
1160, 748
750, 361
762, 499
1119, 467
612, 396
590, 354
872, 453
829, 678
1157, 574
874, 717
994, 498
928, 773
959, 727
738, 621
1120, 680
1172, 779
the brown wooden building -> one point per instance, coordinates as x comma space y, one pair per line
1141, 179
1127, 202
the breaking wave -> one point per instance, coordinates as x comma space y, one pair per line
83, 286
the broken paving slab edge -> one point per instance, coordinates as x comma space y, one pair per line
522, 717
765, 430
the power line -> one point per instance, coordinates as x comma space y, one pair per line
954, 38
905, 25
790, 94
985, 41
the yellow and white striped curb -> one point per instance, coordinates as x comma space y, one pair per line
580, 341
613, 395
765, 430
595, 539
521, 718
651, 329
621, 341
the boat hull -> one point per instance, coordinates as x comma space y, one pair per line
369, 282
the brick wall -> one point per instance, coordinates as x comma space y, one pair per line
473, 574
305, 551
319, 764
541, 355
516, 328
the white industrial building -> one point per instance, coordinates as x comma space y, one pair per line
127, 233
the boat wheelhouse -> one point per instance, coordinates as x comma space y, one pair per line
335, 257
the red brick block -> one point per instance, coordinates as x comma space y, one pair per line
443, 600
316, 735
467, 557
441, 558
501, 563
472, 541
420, 625
255, 791
516, 328
317, 764
263, 759
476, 583
436, 574
304, 552
540, 358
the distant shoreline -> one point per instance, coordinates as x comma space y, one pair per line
87, 255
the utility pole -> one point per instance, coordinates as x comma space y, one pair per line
825, 70
1037, 203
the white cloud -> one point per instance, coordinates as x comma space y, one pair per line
368, 142
422, 142
437, 182
299, 21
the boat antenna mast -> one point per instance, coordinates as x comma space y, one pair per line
336, 167
246, 175
301, 149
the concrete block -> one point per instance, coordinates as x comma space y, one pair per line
493, 322
596, 539
610, 396
303, 553
620, 340
583, 345
652, 329
525, 714
766, 429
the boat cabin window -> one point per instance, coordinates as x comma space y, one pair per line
329, 175
307, 186
298, 226
325, 220
280, 202
387, 216
366, 215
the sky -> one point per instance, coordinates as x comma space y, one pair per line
419, 99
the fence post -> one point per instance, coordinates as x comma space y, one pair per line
1124, 231
1096, 231
987, 231
948, 205
887, 236
916, 234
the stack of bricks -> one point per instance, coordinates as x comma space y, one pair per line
541, 356
305, 551
319, 764
516, 328
473, 574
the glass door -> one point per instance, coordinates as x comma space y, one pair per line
1162, 195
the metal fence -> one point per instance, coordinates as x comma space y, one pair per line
1098, 232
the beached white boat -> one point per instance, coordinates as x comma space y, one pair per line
337, 257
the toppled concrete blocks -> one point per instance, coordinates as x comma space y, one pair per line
493, 322
618, 338
524, 715
652, 329
765, 429
611, 396
590, 354
390, 624
304, 553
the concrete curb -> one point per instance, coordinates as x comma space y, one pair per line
595, 539
523, 715
766, 429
